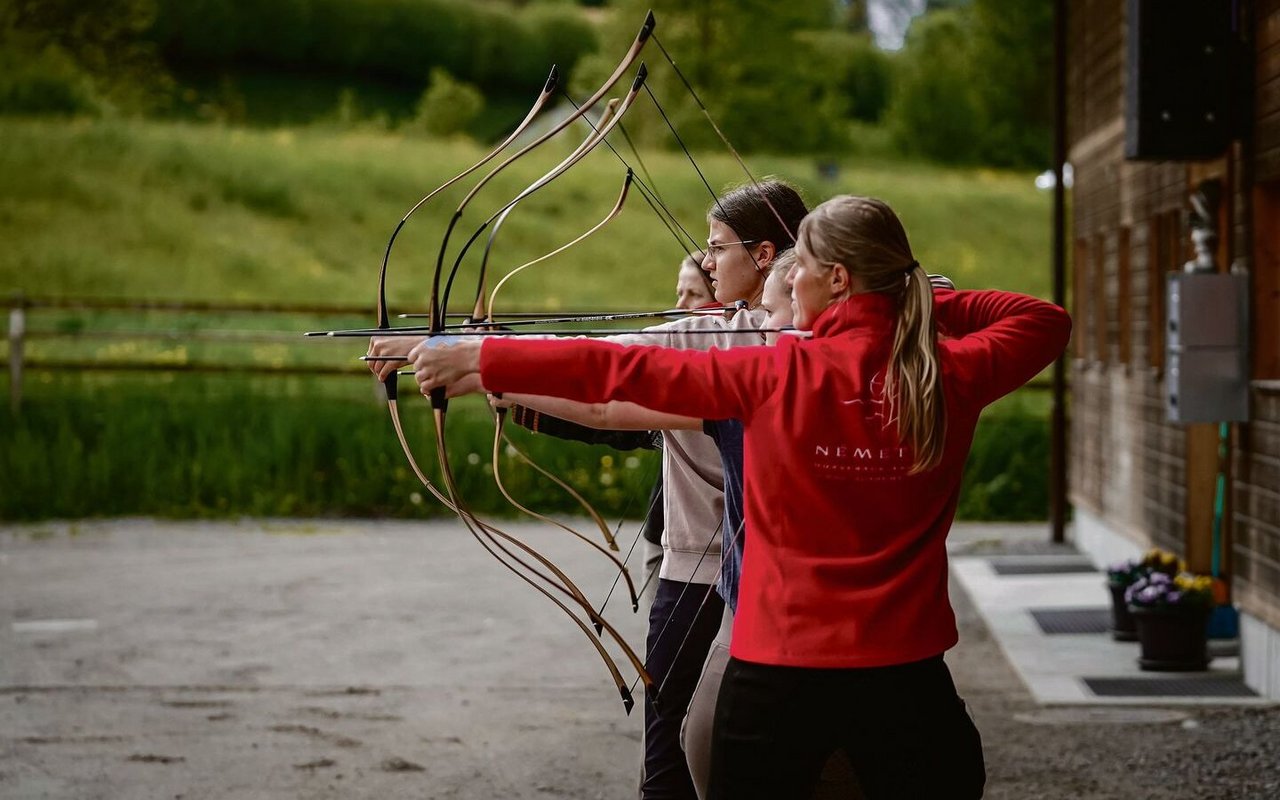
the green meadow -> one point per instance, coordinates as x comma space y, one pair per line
172, 211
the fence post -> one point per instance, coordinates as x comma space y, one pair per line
17, 332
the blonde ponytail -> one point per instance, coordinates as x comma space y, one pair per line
867, 238
913, 385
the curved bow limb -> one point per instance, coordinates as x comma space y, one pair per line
563, 583
582, 501
499, 218
548, 89
488, 316
627, 60
593, 139
382, 319
484, 316
617, 209
500, 438
486, 313
614, 114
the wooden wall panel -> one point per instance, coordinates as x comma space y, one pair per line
1256, 512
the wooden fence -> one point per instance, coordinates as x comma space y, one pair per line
22, 309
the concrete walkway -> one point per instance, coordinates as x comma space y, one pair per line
1048, 608
339, 659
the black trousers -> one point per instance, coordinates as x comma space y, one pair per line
903, 728
681, 629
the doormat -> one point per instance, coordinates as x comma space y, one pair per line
1188, 686
1041, 567
1072, 620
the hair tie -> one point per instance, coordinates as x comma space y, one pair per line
911, 266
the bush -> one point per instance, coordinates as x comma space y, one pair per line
66, 56
1007, 474
565, 35
446, 107
48, 82
1012, 67
863, 72
391, 40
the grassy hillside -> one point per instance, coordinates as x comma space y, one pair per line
146, 209
120, 209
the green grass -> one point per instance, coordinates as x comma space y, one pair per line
169, 210
95, 445
133, 209
88, 445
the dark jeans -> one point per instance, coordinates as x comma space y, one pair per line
903, 728
681, 629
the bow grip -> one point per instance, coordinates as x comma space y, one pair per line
438, 400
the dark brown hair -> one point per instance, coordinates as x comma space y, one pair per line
753, 211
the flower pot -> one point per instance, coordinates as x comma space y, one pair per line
1173, 639
1123, 628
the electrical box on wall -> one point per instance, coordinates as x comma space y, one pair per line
1207, 365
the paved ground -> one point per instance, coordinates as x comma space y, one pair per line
143, 659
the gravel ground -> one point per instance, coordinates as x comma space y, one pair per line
143, 659
1108, 753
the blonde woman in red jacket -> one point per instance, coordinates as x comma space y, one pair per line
855, 441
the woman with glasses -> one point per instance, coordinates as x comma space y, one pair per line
748, 227
855, 442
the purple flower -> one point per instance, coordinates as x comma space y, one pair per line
1173, 597
1150, 594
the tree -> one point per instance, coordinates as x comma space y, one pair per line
102, 45
972, 84
933, 112
763, 82
854, 16
1012, 68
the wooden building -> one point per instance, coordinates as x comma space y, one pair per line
1137, 479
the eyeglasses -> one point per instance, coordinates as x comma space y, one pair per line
716, 249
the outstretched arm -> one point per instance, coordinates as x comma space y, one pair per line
718, 384
613, 416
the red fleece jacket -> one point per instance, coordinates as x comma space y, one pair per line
846, 562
